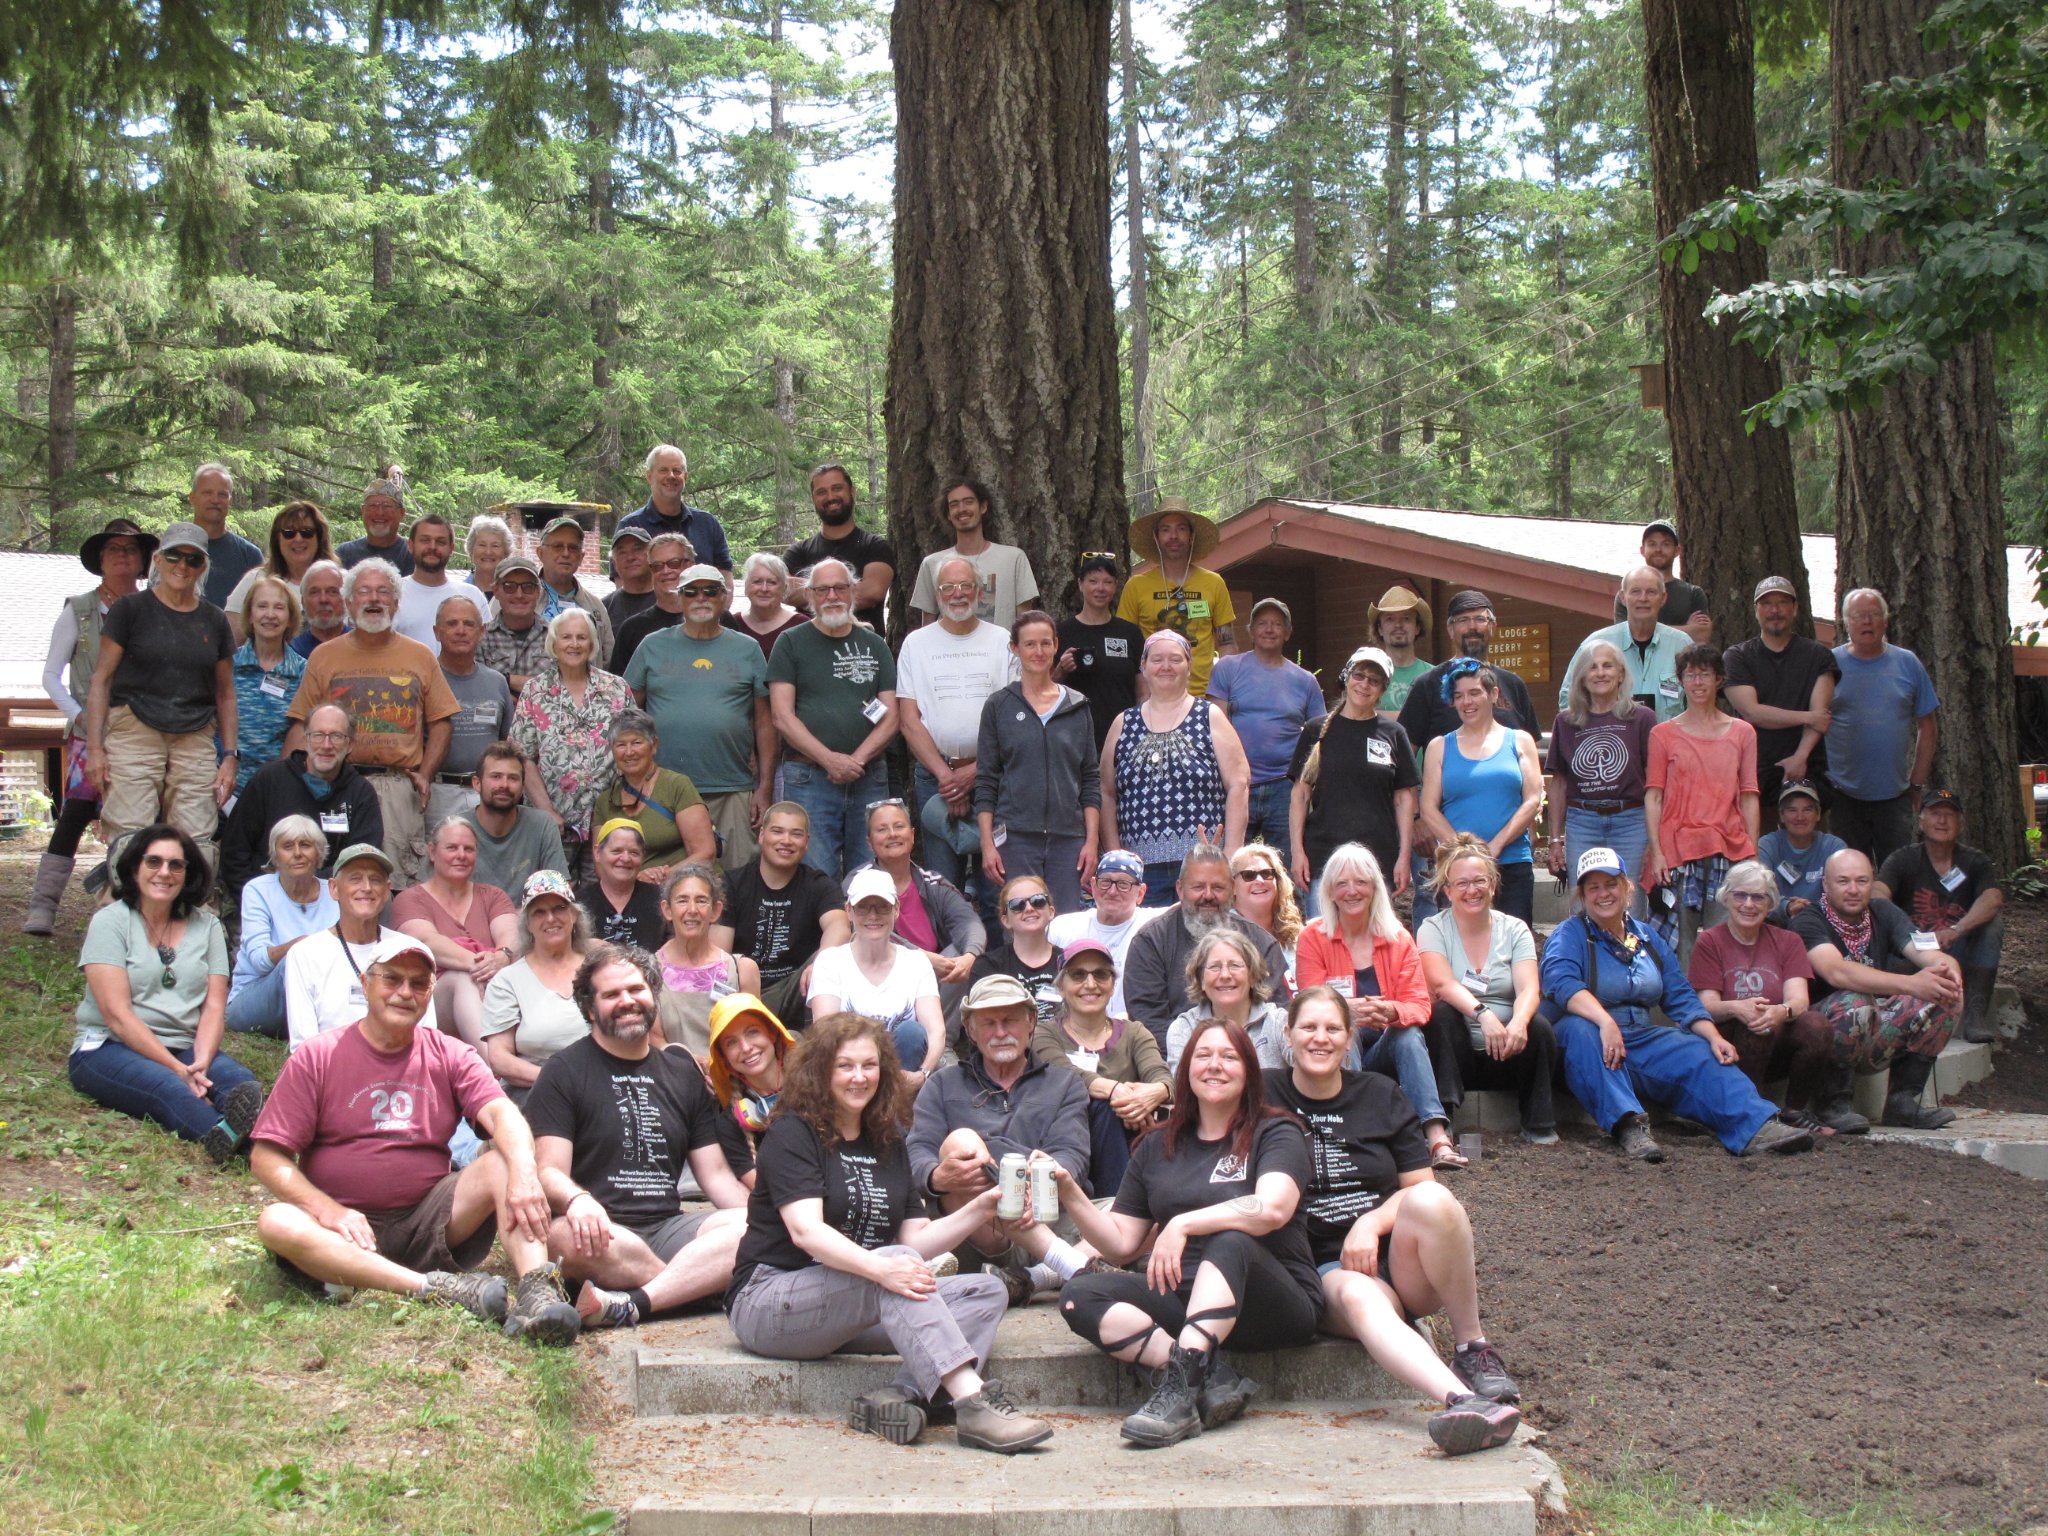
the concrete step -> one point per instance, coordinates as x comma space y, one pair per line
694, 1365
1312, 1469
2015, 1142
2008, 1013
1959, 1065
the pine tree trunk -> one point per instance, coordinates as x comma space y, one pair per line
63, 408
1919, 507
1561, 330
1141, 304
1302, 109
1003, 353
1736, 509
1393, 259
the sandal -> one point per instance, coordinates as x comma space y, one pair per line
1445, 1154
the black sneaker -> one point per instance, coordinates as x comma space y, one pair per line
481, 1294
895, 1413
1636, 1141
1473, 1424
1171, 1414
238, 1112
1774, 1135
541, 1310
1224, 1394
1479, 1366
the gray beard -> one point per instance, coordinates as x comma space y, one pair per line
625, 1031
1200, 924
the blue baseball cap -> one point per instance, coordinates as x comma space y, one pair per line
1119, 861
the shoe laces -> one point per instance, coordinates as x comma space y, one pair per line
1483, 1357
997, 1396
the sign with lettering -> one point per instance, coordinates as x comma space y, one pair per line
1524, 649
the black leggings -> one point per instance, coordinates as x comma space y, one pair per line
72, 821
1460, 1065
1272, 1311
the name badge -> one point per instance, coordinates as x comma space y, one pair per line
1197, 608
334, 821
1922, 939
1790, 873
1474, 983
1669, 688
873, 711
1084, 1061
1378, 753
1954, 878
1341, 985
274, 686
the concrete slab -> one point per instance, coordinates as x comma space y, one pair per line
694, 1366
2015, 1142
1959, 1065
1312, 1469
2008, 1013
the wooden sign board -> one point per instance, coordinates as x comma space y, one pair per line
1524, 649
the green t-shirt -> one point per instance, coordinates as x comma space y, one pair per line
1399, 684
118, 936
701, 694
834, 678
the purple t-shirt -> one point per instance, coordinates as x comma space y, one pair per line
1604, 759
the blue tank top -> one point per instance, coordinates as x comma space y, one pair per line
1168, 783
1481, 795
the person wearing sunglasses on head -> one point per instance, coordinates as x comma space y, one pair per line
163, 691
299, 537
1027, 911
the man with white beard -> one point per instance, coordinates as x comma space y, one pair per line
401, 706
832, 690
614, 1123
1155, 974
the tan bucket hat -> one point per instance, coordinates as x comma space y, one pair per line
1144, 532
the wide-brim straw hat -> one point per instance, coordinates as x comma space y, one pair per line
1145, 531
1396, 599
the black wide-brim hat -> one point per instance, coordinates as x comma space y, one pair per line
119, 528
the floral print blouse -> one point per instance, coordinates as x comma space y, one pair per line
567, 739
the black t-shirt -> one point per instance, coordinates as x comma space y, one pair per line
1363, 763
1041, 981
1929, 901
858, 549
1784, 680
779, 930
867, 1193
1681, 601
1891, 936
641, 923
622, 607
631, 635
1426, 716
1205, 1173
631, 1125
1360, 1143
169, 661
1105, 667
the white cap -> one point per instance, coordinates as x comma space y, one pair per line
871, 883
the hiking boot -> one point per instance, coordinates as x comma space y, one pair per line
600, 1308
540, 1308
1017, 1281
1636, 1141
1099, 1266
1774, 1135
238, 1112
1172, 1413
481, 1294
1479, 1366
1224, 1394
1839, 1115
1473, 1424
990, 1421
1905, 1109
895, 1413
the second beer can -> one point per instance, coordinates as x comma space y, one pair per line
1013, 1179
1045, 1192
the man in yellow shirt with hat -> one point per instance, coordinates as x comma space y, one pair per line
1173, 592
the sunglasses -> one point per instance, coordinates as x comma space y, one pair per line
896, 800
700, 590
1098, 554
191, 557
1036, 903
1249, 875
158, 861
668, 565
1091, 973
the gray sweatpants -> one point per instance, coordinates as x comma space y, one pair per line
807, 1314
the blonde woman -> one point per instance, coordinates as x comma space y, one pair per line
1263, 894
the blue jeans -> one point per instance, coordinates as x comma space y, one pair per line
1981, 948
258, 1009
1668, 1066
1626, 832
949, 840
1403, 1055
1268, 818
1418, 881
838, 812
129, 1081
1052, 859
912, 1041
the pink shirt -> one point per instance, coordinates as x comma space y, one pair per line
1737, 972
913, 922
486, 905
371, 1130
1701, 779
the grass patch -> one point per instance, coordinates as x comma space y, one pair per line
1656, 1505
163, 1380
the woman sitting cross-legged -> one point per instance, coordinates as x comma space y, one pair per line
529, 1010
837, 1255
1128, 1080
1215, 1195
156, 999
1604, 974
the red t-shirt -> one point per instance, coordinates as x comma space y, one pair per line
370, 1129
1720, 963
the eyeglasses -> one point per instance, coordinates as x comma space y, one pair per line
169, 957
826, 588
518, 586
158, 861
896, 800
958, 586
406, 981
191, 557
1036, 903
1114, 884
327, 735
1476, 883
1091, 973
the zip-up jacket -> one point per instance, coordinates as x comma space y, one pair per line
1037, 776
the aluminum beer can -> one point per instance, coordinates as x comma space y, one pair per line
1045, 1192
1013, 1179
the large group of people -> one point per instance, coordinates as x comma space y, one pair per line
594, 928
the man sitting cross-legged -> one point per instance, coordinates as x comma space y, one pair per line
354, 1145
614, 1122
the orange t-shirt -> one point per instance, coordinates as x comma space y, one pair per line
1702, 779
393, 693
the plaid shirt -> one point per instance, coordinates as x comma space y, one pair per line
514, 653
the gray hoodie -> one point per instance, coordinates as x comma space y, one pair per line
1045, 1111
1037, 776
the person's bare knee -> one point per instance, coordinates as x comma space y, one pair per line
282, 1226
1432, 1208
479, 1194
966, 1141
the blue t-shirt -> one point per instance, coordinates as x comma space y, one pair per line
1269, 706
228, 559
701, 694
261, 699
1797, 871
1877, 710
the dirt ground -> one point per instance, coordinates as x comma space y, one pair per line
1865, 1322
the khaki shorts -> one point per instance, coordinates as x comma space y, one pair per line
671, 1236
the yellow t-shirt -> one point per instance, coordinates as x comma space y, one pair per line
1197, 608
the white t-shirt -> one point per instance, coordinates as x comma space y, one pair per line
835, 973
951, 676
1069, 926
417, 606
322, 991
1006, 582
